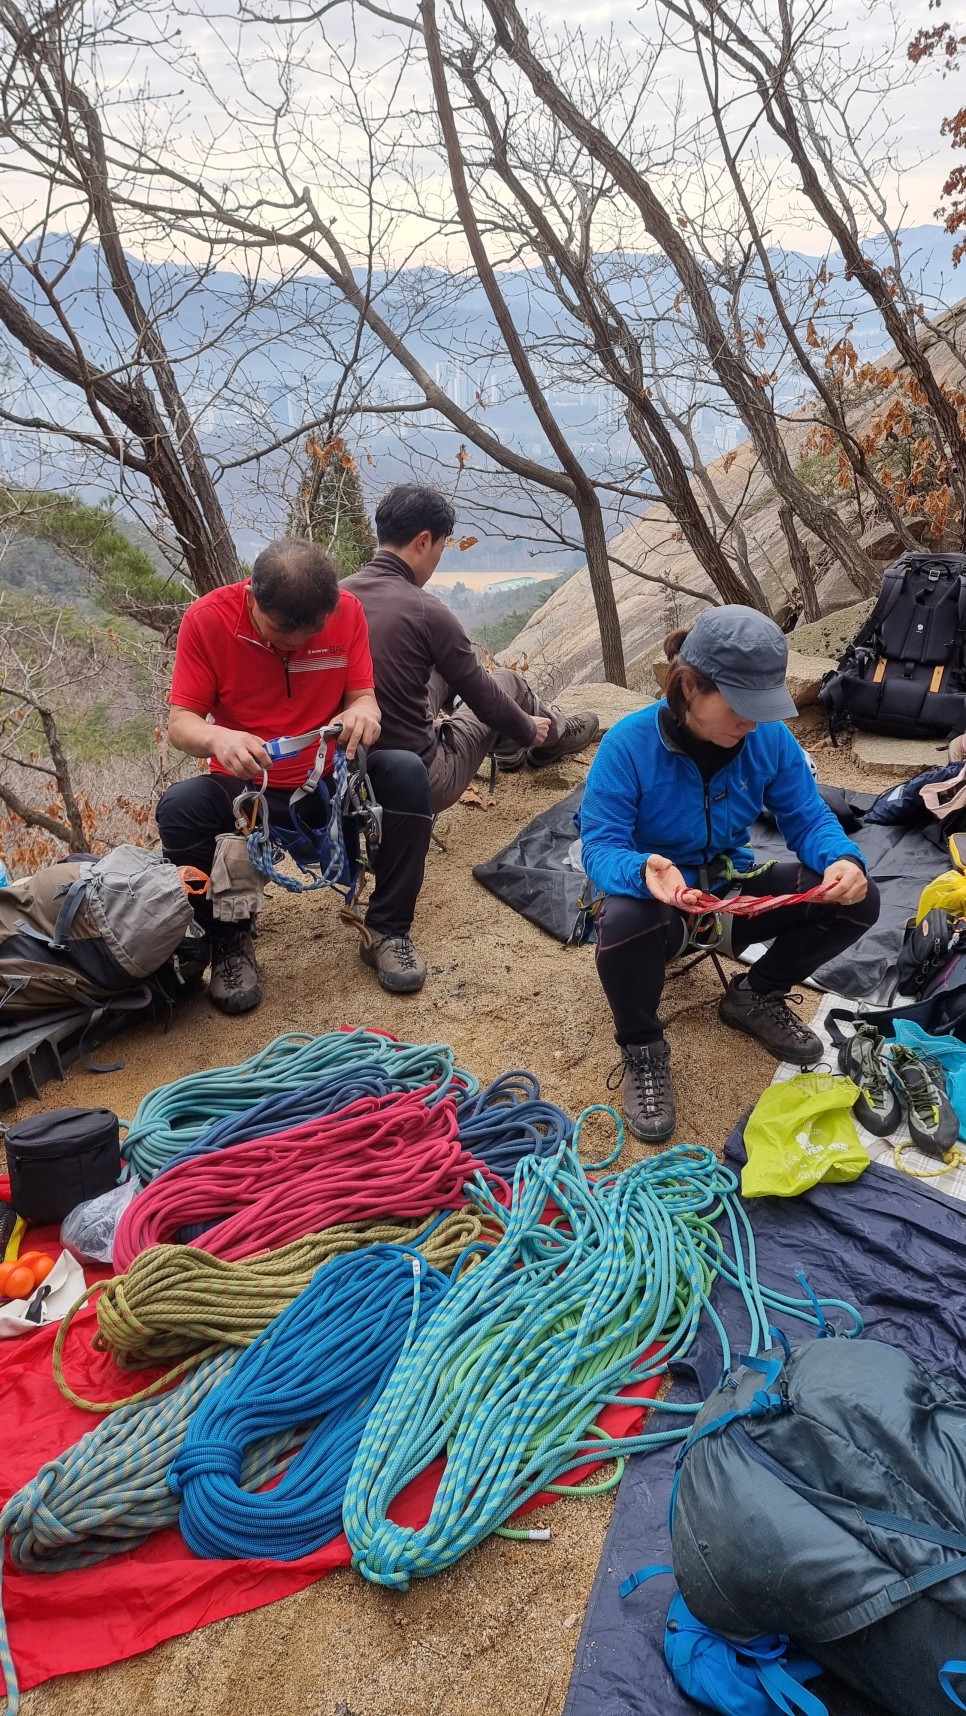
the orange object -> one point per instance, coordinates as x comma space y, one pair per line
19, 1278
195, 882
17, 1281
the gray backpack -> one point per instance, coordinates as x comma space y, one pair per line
78, 934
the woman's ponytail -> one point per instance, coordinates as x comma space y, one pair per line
682, 681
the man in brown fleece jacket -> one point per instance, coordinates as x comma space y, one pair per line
424, 661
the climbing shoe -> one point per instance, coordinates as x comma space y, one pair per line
577, 732
397, 964
233, 983
864, 1058
648, 1096
932, 1120
771, 1022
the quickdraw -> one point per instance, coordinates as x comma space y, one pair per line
320, 854
745, 905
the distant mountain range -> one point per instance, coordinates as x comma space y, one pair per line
266, 359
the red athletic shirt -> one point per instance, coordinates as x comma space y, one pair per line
223, 668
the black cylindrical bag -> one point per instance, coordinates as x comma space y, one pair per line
60, 1159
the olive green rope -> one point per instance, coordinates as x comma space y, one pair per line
178, 1302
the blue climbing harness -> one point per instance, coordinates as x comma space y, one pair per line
333, 848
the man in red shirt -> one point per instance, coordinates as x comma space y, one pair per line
281, 653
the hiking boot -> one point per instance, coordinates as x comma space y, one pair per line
648, 1096
394, 959
233, 985
509, 757
771, 1022
578, 731
932, 1120
864, 1058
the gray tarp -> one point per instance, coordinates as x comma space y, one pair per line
535, 875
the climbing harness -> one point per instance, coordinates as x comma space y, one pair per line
556, 1321
322, 1363
177, 1302
381, 1157
178, 1114
320, 853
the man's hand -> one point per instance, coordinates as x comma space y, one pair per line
664, 880
361, 725
541, 729
847, 883
242, 754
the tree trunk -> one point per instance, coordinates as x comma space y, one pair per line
598, 570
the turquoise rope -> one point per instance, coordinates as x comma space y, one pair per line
510, 1373
177, 1114
109, 1492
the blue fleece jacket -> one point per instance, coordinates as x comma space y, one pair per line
643, 797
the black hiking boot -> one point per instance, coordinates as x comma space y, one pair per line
578, 731
509, 757
648, 1095
233, 985
771, 1022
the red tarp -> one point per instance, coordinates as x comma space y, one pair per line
131, 1602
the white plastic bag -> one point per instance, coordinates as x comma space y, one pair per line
88, 1232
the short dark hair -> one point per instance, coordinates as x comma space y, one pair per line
679, 674
295, 583
408, 509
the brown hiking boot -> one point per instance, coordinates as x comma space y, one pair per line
397, 964
648, 1095
233, 985
578, 731
771, 1022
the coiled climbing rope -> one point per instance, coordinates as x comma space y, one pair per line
509, 1375
109, 1492
322, 1363
389, 1157
178, 1114
410, 1068
179, 1303
509, 1120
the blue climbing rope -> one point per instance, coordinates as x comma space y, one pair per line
509, 1120
269, 845
323, 1361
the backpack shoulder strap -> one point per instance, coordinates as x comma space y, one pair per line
74, 898
786, 1693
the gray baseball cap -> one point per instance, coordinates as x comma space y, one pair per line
746, 655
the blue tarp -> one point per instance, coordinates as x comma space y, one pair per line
893, 1247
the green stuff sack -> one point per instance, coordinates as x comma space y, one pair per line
799, 1133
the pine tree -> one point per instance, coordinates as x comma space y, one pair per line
331, 509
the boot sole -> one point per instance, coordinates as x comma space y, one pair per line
650, 1137
795, 1058
230, 1008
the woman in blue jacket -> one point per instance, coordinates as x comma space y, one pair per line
670, 799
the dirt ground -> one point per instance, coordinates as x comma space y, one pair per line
499, 1631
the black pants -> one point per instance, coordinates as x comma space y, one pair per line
193, 812
636, 938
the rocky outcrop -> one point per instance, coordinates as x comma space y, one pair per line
559, 644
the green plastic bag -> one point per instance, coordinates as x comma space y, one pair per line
799, 1133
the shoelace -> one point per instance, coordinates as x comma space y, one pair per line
923, 1095
404, 950
231, 958
776, 1008
651, 1077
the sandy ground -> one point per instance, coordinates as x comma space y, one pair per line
499, 1631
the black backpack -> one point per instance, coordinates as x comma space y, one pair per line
904, 673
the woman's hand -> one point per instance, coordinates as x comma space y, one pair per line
665, 881
847, 883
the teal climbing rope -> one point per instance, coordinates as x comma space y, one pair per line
176, 1115
509, 1375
